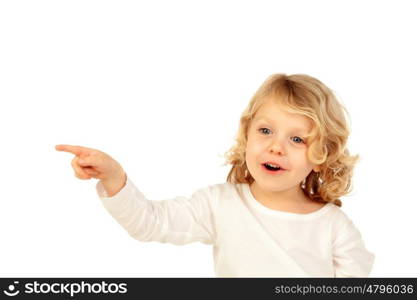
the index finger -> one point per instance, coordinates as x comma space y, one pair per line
77, 150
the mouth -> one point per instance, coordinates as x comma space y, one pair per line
272, 168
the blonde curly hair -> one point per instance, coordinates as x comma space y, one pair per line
307, 96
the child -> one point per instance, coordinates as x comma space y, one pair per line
278, 214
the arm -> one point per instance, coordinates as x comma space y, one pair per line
350, 257
178, 221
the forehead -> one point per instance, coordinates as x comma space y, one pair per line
276, 114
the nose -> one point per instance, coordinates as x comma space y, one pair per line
277, 148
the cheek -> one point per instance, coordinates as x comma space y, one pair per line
255, 145
299, 161
308, 164
251, 156
304, 166
253, 150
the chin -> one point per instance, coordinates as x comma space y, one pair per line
274, 186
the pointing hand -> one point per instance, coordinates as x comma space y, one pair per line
91, 163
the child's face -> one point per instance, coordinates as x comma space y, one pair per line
278, 136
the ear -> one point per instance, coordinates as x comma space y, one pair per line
316, 169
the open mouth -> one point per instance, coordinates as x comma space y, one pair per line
271, 167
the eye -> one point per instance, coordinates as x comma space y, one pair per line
300, 140
262, 130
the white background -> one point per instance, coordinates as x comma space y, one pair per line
160, 86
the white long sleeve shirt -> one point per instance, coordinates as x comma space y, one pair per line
248, 238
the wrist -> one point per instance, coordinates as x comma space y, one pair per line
113, 185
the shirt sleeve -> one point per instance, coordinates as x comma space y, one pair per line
179, 221
350, 257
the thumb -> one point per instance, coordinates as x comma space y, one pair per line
89, 161
84, 162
